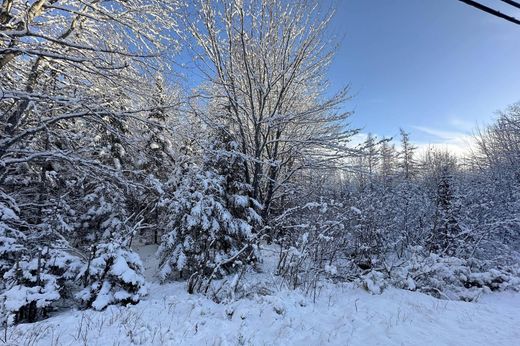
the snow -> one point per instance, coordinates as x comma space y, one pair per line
241, 201
356, 210
104, 297
7, 214
342, 314
120, 269
18, 296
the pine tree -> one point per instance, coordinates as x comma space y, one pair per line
447, 228
214, 219
407, 163
388, 164
112, 275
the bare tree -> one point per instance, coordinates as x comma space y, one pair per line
265, 64
499, 144
64, 61
74, 80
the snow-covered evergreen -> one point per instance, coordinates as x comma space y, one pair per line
112, 275
213, 219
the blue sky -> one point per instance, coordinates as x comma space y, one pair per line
437, 68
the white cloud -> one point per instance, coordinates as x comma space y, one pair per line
457, 142
461, 124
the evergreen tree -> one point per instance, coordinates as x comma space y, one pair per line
113, 275
407, 163
447, 228
212, 230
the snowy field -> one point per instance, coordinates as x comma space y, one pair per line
341, 315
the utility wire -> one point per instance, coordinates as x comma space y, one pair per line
512, 3
493, 11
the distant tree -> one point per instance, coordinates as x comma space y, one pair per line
407, 163
388, 163
447, 228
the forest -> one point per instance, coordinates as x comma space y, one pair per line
208, 130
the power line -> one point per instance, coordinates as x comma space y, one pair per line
493, 11
512, 3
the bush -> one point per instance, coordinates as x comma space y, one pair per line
452, 277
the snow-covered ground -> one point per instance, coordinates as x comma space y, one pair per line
341, 315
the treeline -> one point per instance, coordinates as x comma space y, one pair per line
103, 147
432, 221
